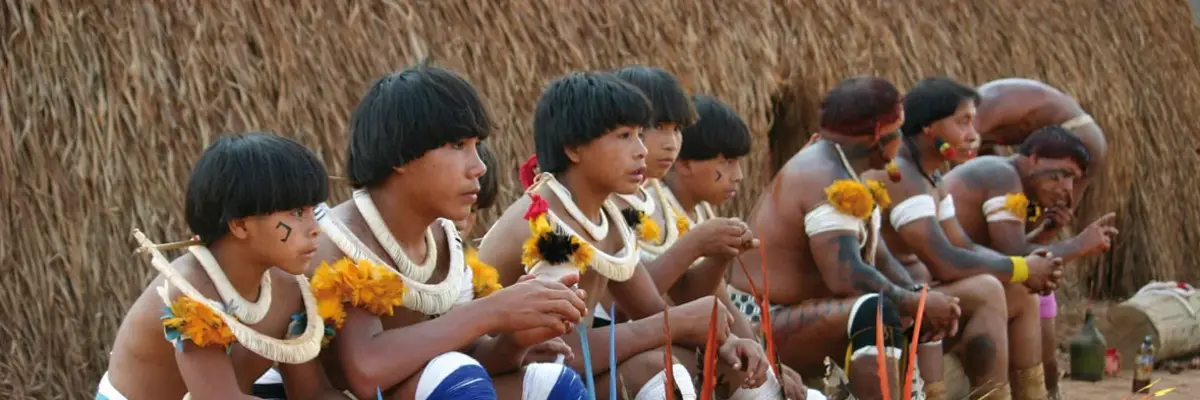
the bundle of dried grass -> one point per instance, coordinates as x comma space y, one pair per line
104, 110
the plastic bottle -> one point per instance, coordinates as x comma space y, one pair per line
1143, 366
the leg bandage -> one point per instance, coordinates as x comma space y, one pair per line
655, 388
862, 329
1032, 383
455, 376
545, 381
106, 391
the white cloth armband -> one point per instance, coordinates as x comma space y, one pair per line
995, 209
826, 218
945, 209
912, 209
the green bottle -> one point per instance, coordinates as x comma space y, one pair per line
1087, 351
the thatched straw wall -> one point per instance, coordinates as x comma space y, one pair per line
104, 107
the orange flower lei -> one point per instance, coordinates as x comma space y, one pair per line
366, 285
548, 244
856, 198
188, 319
486, 279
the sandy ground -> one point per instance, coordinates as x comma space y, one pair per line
1186, 384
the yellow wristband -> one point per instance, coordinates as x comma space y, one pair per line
1020, 269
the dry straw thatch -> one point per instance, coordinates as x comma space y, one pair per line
105, 106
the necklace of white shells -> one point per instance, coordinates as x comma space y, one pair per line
428, 299
290, 351
618, 268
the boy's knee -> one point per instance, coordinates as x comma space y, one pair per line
551, 382
454, 375
656, 387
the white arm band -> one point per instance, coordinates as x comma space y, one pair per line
946, 208
825, 218
995, 211
912, 209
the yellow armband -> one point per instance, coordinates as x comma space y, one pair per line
1020, 269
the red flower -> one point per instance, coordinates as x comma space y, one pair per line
528, 171
537, 207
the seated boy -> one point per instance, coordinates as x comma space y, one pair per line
587, 132
707, 174
230, 299
414, 319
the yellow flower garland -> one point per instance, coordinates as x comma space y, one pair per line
1017, 204
195, 321
486, 280
648, 229
851, 197
681, 222
879, 192
366, 285
540, 230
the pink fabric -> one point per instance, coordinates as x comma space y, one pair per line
1049, 306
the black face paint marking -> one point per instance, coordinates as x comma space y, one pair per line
718, 175
286, 235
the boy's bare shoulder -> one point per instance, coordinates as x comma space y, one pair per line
189, 268
511, 226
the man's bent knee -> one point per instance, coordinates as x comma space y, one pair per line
656, 387
454, 375
862, 328
552, 382
1020, 300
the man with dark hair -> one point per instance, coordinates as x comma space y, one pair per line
1011, 109
829, 274
920, 223
250, 202
587, 131
414, 319
1041, 177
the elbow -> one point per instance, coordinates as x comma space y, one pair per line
361, 376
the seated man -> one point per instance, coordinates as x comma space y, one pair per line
825, 297
250, 201
587, 132
1043, 174
410, 326
937, 128
1011, 109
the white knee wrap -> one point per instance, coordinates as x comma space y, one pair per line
655, 388
552, 382
454, 375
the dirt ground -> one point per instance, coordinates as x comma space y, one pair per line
1186, 384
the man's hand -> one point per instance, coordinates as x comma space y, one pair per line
548, 352
1044, 272
722, 237
1097, 237
1055, 218
941, 316
748, 361
536, 309
793, 385
689, 322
